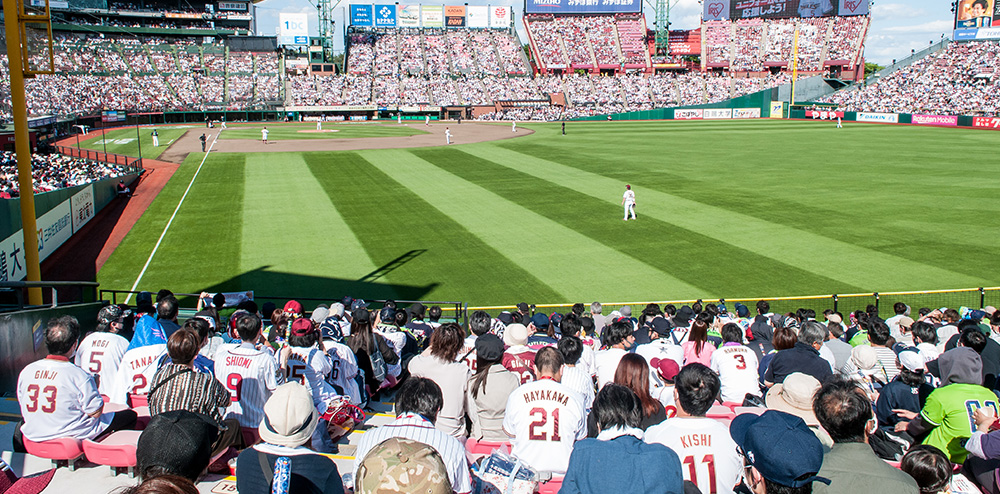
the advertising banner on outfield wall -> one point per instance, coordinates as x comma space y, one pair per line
581, 6
877, 117
432, 16
361, 16
986, 122
408, 16
777, 109
688, 114
934, 119
385, 16
500, 17
824, 114
718, 113
746, 113
82, 204
54, 228
478, 16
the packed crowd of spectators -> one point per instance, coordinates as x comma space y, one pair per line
53, 171
752, 45
693, 399
961, 79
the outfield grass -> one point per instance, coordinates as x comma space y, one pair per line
281, 132
756, 208
124, 141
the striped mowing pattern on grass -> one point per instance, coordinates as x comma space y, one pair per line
725, 209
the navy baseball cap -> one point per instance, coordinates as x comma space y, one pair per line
541, 321
780, 446
742, 310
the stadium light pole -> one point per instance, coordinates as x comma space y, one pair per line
22, 147
138, 139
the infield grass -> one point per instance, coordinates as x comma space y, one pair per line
751, 209
307, 130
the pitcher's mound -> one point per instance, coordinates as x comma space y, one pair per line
314, 131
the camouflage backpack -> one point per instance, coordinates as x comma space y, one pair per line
399, 465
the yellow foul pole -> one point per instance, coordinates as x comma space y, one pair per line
19, 107
795, 64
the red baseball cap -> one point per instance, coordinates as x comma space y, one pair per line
302, 327
293, 307
667, 368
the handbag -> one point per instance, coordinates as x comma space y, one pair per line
503, 474
342, 418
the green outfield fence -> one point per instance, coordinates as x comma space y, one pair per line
840, 302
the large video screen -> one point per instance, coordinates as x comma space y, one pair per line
976, 14
719, 10
581, 6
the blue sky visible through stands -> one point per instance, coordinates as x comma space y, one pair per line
898, 26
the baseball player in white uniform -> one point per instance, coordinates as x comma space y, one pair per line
102, 351
545, 418
628, 200
57, 398
708, 454
136, 371
263, 135
250, 374
319, 125
447, 135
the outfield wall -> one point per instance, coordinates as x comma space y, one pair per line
60, 214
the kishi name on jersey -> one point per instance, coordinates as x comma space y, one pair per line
545, 394
692, 440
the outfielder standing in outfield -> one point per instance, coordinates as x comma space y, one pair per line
628, 200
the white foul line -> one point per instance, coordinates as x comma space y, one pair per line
157, 246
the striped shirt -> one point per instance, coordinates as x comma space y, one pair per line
415, 427
578, 379
187, 390
887, 363
250, 375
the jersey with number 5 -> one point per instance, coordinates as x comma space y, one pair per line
708, 454
736, 366
55, 397
250, 375
99, 354
545, 418
136, 371
949, 409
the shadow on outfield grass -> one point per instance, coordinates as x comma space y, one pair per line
272, 285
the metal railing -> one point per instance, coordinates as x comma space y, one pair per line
133, 163
19, 289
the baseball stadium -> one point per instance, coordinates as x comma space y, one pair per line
515, 247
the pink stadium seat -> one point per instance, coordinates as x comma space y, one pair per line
893, 464
138, 401
476, 449
61, 449
143, 417
753, 410
731, 405
114, 407
550, 487
720, 412
116, 450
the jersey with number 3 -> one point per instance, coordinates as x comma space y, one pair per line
736, 366
100, 354
545, 417
55, 397
310, 368
949, 409
708, 454
136, 371
250, 375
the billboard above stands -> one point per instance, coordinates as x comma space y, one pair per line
976, 34
385, 16
408, 16
877, 117
477, 16
581, 6
500, 17
976, 14
293, 29
454, 16
721, 10
361, 16
432, 16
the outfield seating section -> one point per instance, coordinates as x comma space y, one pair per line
961, 79
589, 41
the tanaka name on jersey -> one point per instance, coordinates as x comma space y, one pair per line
143, 362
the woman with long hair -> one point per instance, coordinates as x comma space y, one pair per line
698, 348
489, 388
373, 352
439, 364
633, 373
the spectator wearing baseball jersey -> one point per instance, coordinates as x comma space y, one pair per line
694, 437
177, 386
479, 324
545, 417
59, 399
417, 405
250, 373
101, 352
438, 363
574, 374
486, 397
518, 358
845, 412
618, 457
290, 420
